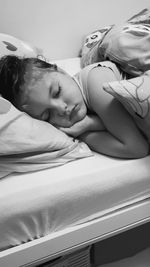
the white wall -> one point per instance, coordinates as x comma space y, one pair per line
58, 26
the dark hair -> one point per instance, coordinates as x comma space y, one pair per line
12, 71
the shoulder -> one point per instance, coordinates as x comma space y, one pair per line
100, 74
96, 78
98, 98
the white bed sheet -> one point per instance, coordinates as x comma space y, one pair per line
36, 204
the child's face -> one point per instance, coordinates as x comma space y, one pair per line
55, 98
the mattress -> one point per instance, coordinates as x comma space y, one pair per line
33, 205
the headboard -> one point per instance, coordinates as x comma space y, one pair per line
58, 26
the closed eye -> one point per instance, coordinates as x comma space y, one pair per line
57, 93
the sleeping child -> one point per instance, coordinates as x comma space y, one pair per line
77, 105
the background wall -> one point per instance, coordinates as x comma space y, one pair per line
58, 26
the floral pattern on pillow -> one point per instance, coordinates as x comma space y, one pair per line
126, 44
90, 48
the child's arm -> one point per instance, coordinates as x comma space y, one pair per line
89, 123
122, 138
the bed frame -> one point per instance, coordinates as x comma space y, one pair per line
65, 42
66, 241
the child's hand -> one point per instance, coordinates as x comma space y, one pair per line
89, 123
76, 129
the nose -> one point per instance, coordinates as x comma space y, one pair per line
60, 108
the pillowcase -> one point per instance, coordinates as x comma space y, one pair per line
90, 49
134, 94
127, 45
27, 144
12, 45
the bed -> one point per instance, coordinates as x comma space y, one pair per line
46, 214
54, 215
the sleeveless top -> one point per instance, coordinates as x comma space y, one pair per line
81, 77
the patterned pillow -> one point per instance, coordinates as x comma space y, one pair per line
90, 49
134, 94
11, 45
127, 45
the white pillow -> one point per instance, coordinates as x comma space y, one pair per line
27, 144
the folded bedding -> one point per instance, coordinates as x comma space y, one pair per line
36, 204
134, 94
126, 44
